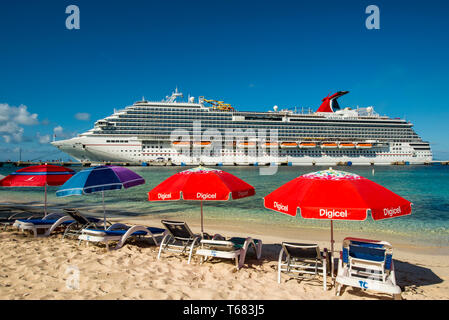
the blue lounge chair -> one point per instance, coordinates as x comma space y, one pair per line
45, 226
367, 264
119, 232
81, 222
15, 213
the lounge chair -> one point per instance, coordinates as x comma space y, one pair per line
45, 226
233, 248
367, 264
17, 213
81, 222
119, 232
302, 258
179, 238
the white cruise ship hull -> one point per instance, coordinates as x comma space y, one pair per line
189, 133
93, 149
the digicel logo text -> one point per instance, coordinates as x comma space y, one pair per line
280, 206
333, 213
164, 196
392, 212
205, 196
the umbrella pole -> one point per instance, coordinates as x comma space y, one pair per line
202, 230
332, 249
45, 202
104, 210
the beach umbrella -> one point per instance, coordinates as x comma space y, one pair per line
201, 184
100, 179
336, 195
38, 176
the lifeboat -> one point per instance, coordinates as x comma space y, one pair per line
230, 144
289, 145
202, 143
249, 144
364, 145
346, 145
307, 145
329, 145
270, 145
180, 144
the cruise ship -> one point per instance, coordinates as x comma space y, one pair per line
212, 132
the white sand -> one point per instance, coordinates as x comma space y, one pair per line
41, 268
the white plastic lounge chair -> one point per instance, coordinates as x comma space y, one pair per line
81, 222
120, 232
17, 213
45, 226
302, 258
367, 264
179, 238
233, 248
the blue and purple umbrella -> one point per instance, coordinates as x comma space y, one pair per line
101, 178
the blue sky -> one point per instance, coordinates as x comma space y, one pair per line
252, 54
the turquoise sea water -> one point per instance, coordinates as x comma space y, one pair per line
425, 186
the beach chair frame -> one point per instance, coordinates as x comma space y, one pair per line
179, 239
81, 222
9, 221
42, 230
365, 272
308, 259
219, 247
90, 235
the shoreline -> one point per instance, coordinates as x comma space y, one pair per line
292, 232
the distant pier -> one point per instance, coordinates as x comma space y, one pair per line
62, 163
169, 163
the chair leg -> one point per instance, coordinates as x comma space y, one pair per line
281, 253
191, 249
161, 247
324, 276
338, 288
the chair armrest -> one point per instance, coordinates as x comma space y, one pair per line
218, 236
217, 242
118, 226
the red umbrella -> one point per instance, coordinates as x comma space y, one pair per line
201, 184
38, 176
336, 195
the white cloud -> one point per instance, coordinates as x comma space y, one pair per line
58, 130
83, 116
60, 133
11, 119
18, 114
7, 138
43, 139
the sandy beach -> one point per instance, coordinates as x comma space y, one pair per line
43, 268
